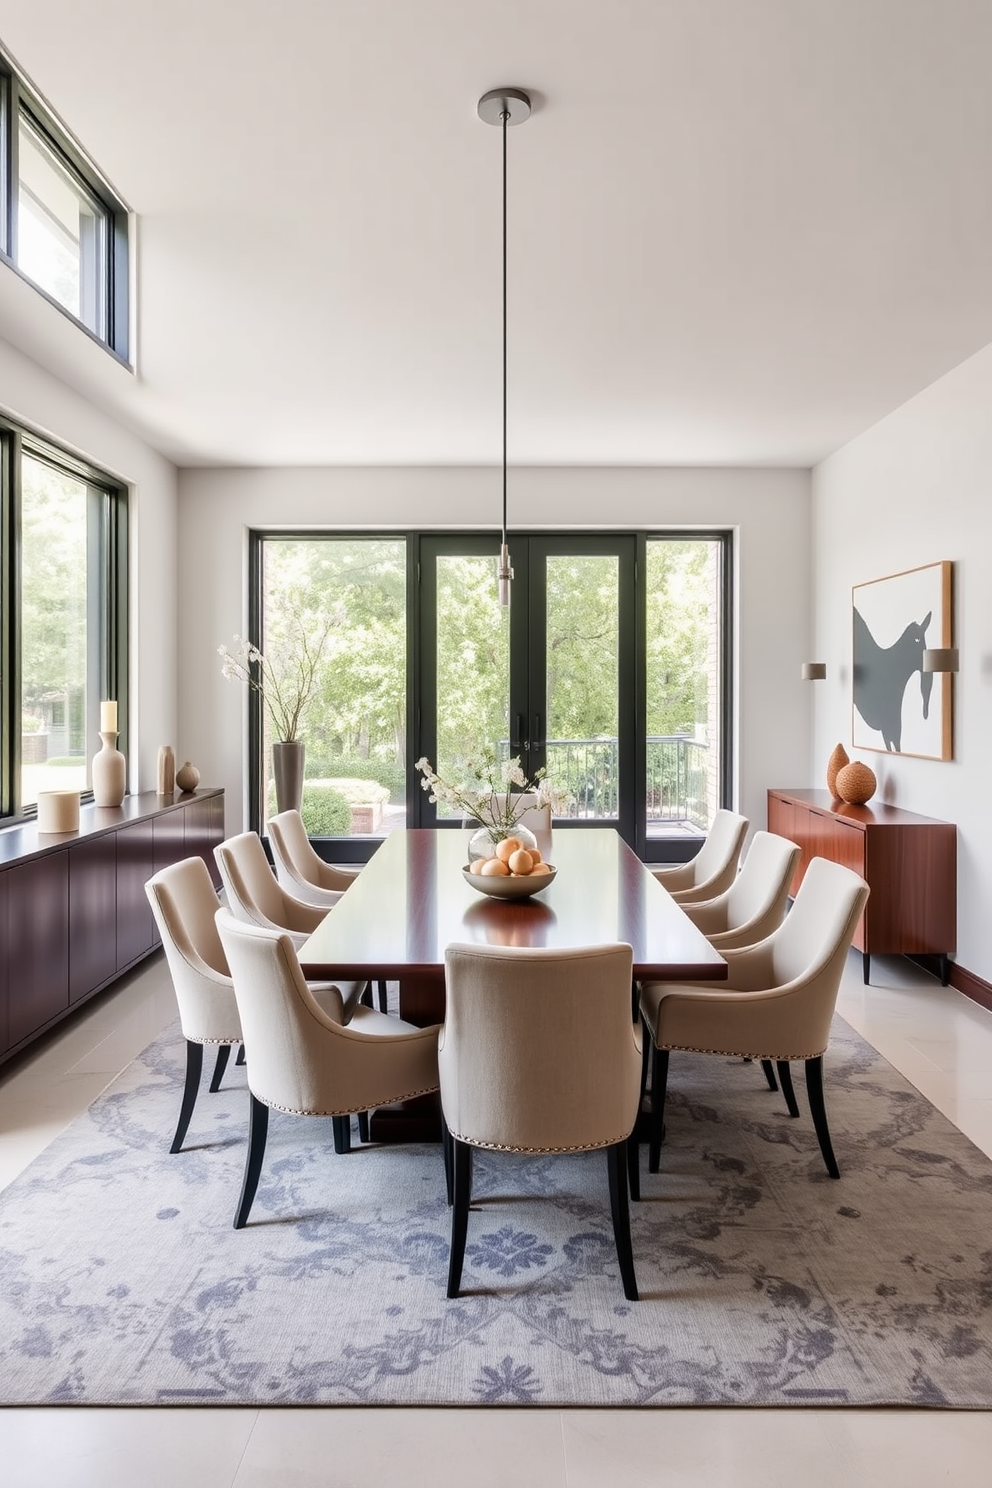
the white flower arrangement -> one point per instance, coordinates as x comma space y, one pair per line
286, 691
500, 795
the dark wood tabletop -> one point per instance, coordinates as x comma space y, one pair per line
410, 902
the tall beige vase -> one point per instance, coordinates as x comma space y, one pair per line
109, 773
166, 771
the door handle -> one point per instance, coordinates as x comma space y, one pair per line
517, 722
536, 732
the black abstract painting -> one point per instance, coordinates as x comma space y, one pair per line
897, 706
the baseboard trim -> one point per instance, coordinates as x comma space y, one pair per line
961, 979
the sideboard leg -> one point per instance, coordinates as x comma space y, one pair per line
945, 968
866, 966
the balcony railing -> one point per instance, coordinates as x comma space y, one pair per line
677, 773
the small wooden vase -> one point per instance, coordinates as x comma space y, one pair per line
835, 763
856, 783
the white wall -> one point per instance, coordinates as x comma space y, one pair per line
915, 489
40, 402
769, 509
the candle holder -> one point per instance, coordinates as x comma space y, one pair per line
109, 772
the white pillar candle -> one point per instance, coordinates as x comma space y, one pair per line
108, 718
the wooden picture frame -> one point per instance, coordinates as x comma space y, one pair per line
897, 708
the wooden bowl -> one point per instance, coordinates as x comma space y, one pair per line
509, 886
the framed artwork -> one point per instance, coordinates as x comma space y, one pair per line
897, 707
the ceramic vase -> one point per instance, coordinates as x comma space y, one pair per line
287, 772
109, 773
187, 778
166, 771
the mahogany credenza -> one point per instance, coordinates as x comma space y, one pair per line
909, 862
73, 909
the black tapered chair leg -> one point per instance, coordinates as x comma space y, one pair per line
383, 997
818, 1110
620, 1209
449, 1160
223, 1054
194, 1068
462, 1165
785, 1080
241, 1055
363, 1127
633, 1166
341, 1126
659, 1086
769, 1070
258, 1127
646, 1046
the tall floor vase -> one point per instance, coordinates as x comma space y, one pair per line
287, 772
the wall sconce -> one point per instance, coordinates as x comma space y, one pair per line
941, 659
814, 671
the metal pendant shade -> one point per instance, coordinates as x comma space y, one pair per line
503, 107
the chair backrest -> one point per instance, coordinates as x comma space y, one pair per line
761, 888
299, 868
538, 1051
300, 1059
252, 891
184, 903
716, 861
817, 932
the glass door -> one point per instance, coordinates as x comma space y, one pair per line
552, 680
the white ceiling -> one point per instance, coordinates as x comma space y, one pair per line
741, 231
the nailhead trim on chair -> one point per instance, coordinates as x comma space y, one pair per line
738, 1054
385, 1100
503, 1147
235, 1038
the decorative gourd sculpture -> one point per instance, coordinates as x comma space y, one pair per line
856, 783
835, 763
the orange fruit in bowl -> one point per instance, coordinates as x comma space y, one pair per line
506, 847
535, 853
494, 868
520, 861
539, 868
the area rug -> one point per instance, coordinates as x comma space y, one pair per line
763, 1282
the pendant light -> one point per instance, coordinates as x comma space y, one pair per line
503, 107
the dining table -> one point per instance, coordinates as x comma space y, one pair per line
411, 901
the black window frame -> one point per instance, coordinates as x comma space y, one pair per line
343, 849
17, 96
107, 598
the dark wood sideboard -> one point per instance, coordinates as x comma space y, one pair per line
909, 862
73, 910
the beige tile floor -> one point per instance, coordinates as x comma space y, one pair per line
940, 1041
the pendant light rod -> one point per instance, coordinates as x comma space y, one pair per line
504, 106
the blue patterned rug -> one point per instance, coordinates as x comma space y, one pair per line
763, 1283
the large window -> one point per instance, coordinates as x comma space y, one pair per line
60, 225
609, 671
63, 547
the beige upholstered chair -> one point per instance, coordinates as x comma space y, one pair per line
776, 1004
754, 905
301, 1060
300, 870
304, 874
538, 1054
184, 902
713, 868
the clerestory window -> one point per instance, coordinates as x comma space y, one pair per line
61, 226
